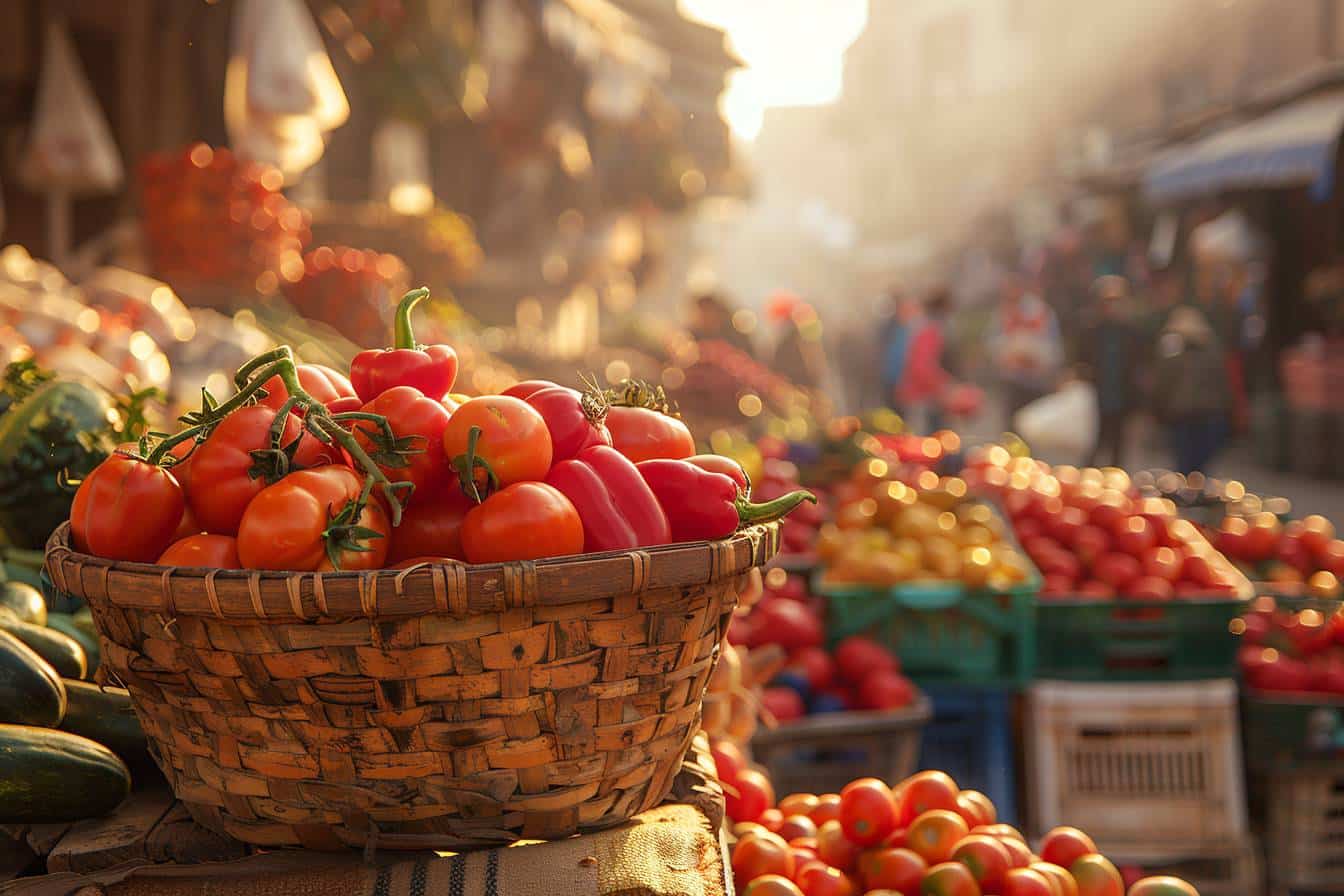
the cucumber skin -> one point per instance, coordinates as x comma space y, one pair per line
60, 650
66, 625
31, 692
105, 716
52, 776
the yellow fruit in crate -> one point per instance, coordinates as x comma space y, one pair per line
830, 542
942, 557
892, 498
977, 564
946, 494
858, 515
911, 550
889, 568
727, 675
974, 512
916, 521
1009, 568
1323, 584
975, 535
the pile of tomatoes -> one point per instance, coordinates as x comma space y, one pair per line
1091, 535
352, 290
305, 468
923, 837
1300, 556
1287, 651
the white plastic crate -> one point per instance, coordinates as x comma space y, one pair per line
1231, 869
1137, 763
1304, 835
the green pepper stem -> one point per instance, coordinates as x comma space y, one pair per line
403, 336
749, 514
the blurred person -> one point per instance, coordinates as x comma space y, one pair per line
798, 355
1024, 344
894, 340
1191, 395
924, 378
1110, 347
712, 318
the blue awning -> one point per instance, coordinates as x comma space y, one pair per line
1293, 145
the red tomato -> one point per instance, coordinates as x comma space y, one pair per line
799, 804
788, 623
885, 690
1064, 525
1096, 876
758, 856
227, 472
755, 794
1332, 558
344, 405
771, 818
416, 421
925, 791
323, 383
730, 762
1317, 532
797, 826
816, 665
1001, 831
834, 848
827, 809
1110, 509
308, 521
867, 811
1151, 588
949, 879
218, 551
784, 703
187, 525
574, 421
987, 858
642, 434
1063, 846
1026, 882
1090, 542
1096, 590
858, 656
804, 850
431, 526
1019, 854
524, 521
772, 885
1117, 570
1163, 563
1063, 881
514, 442
1262, 537
893, 869
1134, 535
1059, 563
935, 834
1162, 886
529, 387
819, 879
126, 509
976, 808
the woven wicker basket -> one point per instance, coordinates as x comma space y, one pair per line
442, 707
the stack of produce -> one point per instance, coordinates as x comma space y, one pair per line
924, 836
798, 532
67, 745
887, 532
306, 469
352, 290
211, 219
860, 674
724, 383
1292, 650
1298, 557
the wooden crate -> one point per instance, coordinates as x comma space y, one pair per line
1230, 869
1137, 762
1304, 827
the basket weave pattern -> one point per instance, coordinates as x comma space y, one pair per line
439, 707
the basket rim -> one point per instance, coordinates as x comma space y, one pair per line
458, 588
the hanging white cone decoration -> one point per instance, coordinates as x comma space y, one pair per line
281, 95
70, 150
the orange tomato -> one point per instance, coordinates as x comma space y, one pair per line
892, 868
976, 808
513, 443
799, 804
867, 812
1065, 885
1000, 830
949, 879
925, 791
794, 827
1096, 876
643, 434
834, 848
219, 551
772, 885
772, 818
818, 879
827, 809
1025, 882
987, 858
293, 524
766, 853
935, 834
1162, 886
1065, 845
1019, 854
755, 794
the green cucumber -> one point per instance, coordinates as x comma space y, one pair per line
61, 651
24, 601
31, 692
104, 714
66, 625
53, 776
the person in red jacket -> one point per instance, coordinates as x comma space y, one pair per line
919, 394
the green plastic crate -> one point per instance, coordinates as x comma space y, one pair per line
1287, 730
1082, 639
942, 632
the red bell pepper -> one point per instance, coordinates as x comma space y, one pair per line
430, 368
618, 509
717, 463
704, 506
